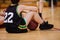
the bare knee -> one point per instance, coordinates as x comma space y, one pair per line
29, 16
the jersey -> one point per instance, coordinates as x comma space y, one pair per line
13, 19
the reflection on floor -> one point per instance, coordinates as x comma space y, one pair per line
38, 34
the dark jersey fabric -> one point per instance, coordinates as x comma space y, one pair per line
17, 20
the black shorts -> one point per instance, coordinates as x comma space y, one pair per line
15, 29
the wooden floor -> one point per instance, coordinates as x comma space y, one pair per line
38, 34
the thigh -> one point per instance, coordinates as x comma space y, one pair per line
28, 17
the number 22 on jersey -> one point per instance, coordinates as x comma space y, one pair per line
8, 17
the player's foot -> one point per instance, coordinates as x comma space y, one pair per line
45, 26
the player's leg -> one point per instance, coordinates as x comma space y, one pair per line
43, 25
28, 16
37, 18
41, 5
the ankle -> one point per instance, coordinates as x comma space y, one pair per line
44, 22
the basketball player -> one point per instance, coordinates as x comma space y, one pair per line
40, 7
15, 23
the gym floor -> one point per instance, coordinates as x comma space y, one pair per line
53, 34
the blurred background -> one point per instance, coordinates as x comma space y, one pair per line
47, 3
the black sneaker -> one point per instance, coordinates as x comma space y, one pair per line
45, 26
